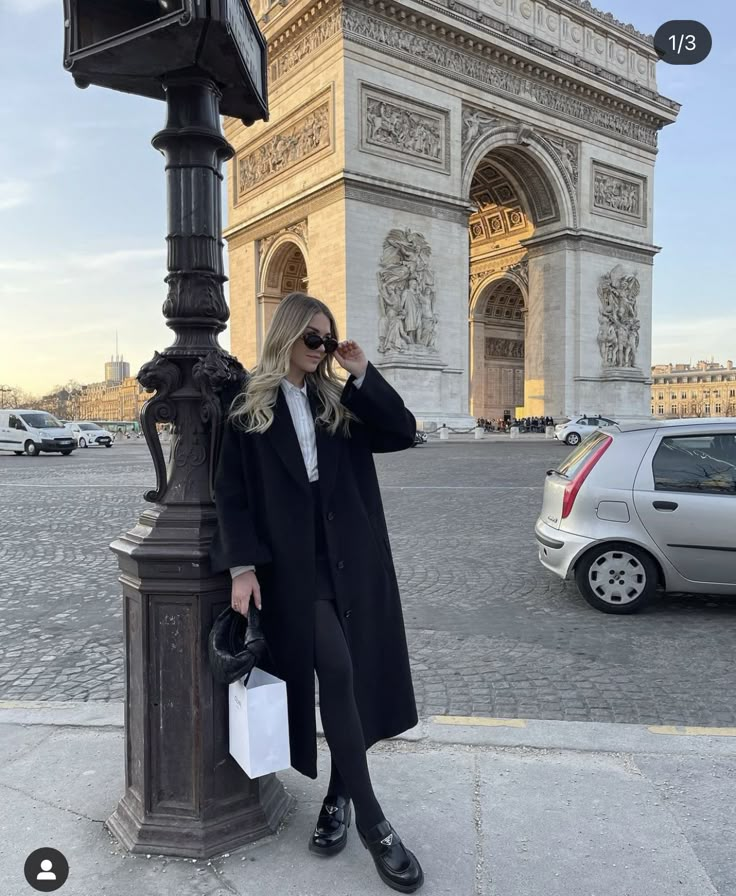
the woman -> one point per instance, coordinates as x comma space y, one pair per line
301, 529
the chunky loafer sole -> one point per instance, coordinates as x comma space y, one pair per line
390, 878
332, 849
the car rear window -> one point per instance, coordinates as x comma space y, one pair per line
576, 459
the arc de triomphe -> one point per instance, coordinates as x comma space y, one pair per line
468, 185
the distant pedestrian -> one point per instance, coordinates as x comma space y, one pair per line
302, 530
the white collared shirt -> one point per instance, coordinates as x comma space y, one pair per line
301, 416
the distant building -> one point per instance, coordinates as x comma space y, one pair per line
112, 401
116, 370
706, 389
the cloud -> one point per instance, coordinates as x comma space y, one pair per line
20, 267
14, 192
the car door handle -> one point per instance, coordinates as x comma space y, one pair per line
664, 505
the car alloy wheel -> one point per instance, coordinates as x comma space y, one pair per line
573, 438
82, 443
617, 578
31, 449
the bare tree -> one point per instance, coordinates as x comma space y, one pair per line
15, 397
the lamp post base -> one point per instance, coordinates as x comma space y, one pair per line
252, 817
184, 794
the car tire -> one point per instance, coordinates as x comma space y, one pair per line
109, 445
31, 449
66, 452
573, 438
82, 443
617, 578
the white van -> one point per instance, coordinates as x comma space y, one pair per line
32, 431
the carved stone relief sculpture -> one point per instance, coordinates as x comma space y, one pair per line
521, 269
617, 196
299, 229
406, 294
504, 348
515, 263
476, 124
404, 129
568, 154
282, 63
424, 50
618, 323
290, 146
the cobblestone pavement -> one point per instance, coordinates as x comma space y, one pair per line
490, 631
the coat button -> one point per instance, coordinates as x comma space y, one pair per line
340, 564
330, 516
347, 614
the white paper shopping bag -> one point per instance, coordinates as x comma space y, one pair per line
259, 724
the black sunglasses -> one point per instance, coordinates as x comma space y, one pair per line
314, 340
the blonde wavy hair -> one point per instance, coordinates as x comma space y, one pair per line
252, 410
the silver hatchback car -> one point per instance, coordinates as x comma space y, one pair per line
644, 507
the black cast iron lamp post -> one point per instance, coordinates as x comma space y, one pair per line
184, 794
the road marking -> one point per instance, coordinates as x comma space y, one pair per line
692, 730
479, 721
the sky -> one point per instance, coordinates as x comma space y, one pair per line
83, 219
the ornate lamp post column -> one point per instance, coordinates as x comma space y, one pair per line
184, 794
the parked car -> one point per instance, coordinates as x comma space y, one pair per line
88, 434
29, 431
575, 430
639, 508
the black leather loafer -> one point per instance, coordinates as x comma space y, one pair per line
331, 833
397, 866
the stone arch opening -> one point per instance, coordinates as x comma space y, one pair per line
516, 196
549, 174
497, 327
283, 270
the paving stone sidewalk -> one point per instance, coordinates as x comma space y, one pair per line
550, 809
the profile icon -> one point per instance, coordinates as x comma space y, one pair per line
46, 869
46, 872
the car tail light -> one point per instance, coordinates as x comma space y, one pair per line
573, 486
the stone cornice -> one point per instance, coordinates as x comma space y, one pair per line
486, 62
302, 21
273, 219
505, 74
497, 31
609, 19
579, 12
592, 241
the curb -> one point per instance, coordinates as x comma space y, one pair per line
438, 732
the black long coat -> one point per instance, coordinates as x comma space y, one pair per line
266, 518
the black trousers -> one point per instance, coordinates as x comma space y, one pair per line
349, 776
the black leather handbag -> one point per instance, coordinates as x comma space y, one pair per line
236, 644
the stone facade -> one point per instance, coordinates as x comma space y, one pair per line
706, 389
112, 401
469, 187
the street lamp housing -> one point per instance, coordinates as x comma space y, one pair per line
132, 45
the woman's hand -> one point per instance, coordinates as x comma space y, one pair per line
351, 357
245, 585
